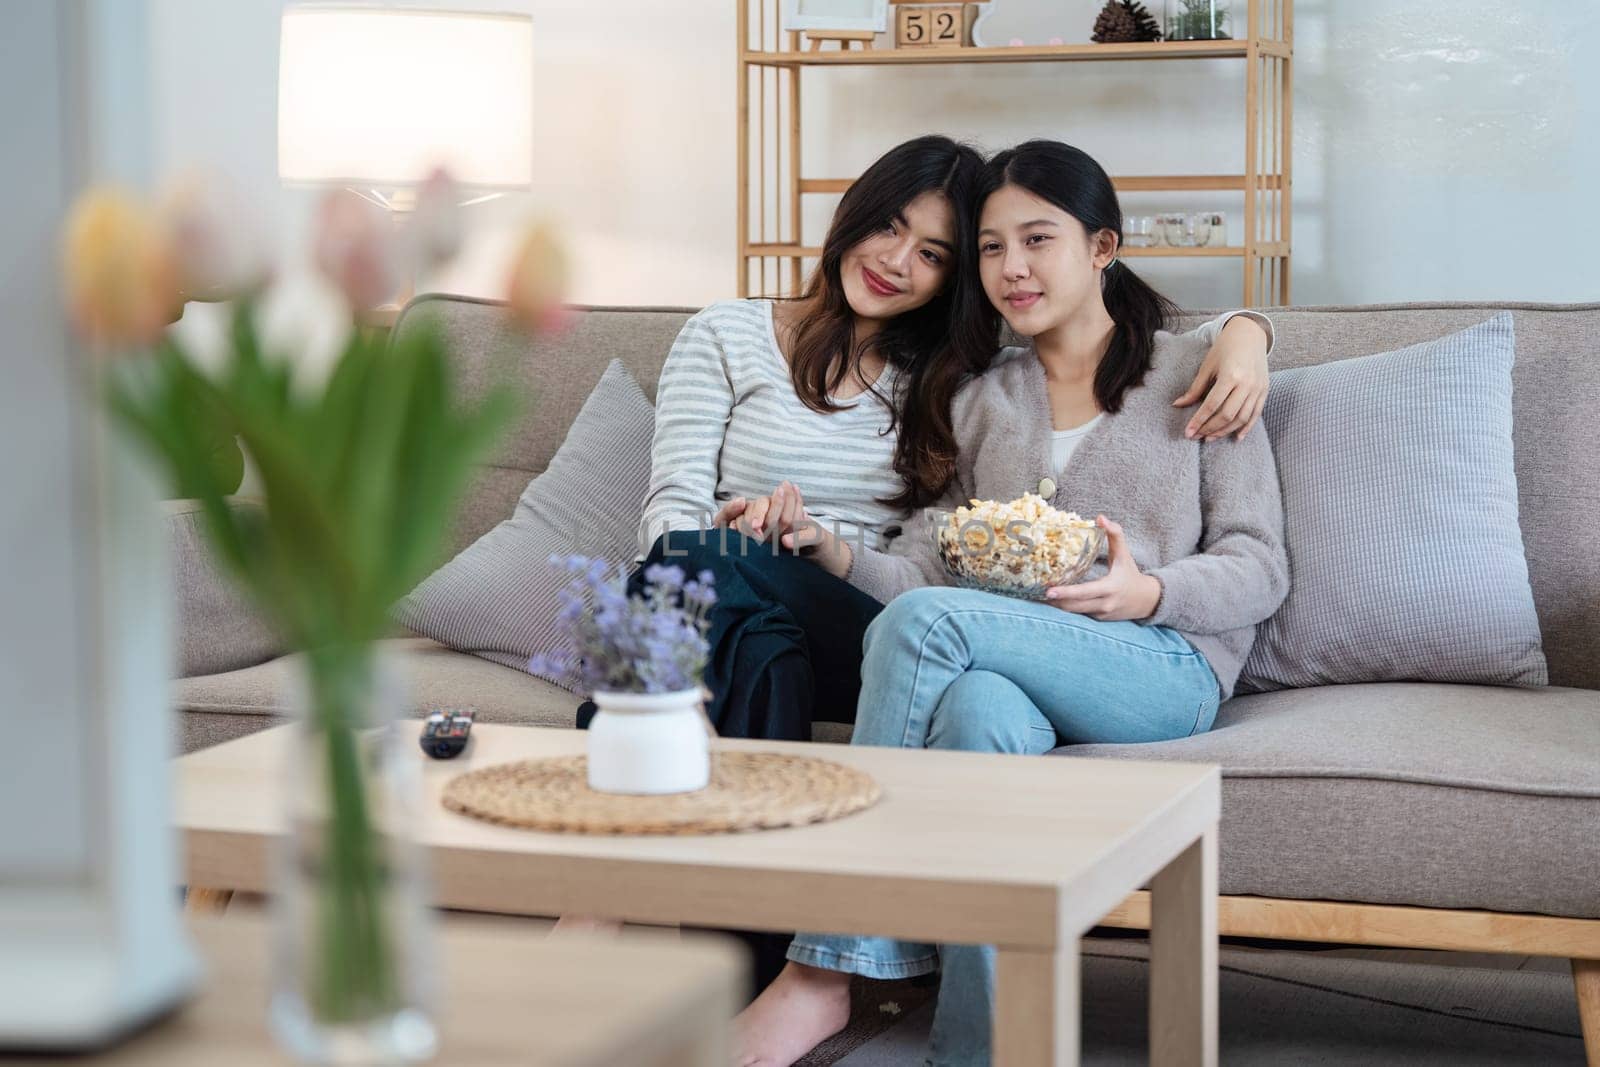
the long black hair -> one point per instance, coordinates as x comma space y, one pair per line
1071, 180
919, 343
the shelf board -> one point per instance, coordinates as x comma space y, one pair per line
1162, 183
1164, 252
1046, 53
1124, 184
1263, 251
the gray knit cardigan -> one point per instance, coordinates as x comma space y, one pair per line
1205, 519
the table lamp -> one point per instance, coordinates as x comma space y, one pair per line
373, 99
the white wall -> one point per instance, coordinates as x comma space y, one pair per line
1442, 150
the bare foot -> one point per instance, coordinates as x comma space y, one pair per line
585, 924
803, 1007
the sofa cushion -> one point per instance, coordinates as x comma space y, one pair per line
435, 676
1558, 488
499, 597
1400, 515
222, 707
1445, 796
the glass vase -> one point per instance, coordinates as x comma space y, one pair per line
1199, 20
354, 973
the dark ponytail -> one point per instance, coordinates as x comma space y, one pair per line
1139, 311
1075, 183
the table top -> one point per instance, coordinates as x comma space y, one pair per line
511, 996
1035, 842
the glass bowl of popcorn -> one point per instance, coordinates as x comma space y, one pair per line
1017, 548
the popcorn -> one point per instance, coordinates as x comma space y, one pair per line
1022, 546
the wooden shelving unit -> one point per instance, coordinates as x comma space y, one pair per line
772, 249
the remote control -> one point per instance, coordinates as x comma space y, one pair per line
445, 732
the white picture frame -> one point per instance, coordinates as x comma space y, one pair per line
870, 15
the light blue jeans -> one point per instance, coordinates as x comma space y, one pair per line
961, 669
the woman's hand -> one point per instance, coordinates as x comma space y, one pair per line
1124, 593
766, 516
729, 514
1233, 381
805, 536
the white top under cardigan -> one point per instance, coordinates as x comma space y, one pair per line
1063, 443
729, 424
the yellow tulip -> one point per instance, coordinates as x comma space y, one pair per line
538, 282
120, 280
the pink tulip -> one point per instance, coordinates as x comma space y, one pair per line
220, 252
435, 230
538, 283
119, 275
355, 249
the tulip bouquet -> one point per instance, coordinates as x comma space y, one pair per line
360, 479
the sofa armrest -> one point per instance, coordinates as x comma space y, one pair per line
217, 629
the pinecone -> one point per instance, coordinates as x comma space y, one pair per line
1125, 20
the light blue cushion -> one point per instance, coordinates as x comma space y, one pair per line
1400, 505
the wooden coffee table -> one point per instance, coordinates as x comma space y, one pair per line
1022, 852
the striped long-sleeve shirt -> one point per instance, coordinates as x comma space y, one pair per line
728, 424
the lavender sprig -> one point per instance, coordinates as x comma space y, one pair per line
655, 643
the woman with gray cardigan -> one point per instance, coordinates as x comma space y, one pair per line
1143, 650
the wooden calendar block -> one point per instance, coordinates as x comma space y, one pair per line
933, 25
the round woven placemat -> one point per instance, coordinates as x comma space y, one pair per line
748, 791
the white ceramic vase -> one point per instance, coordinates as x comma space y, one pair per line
649, 743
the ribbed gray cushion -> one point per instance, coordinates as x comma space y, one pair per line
1558, 488
1444, 796
499, 597
1400, 511
218, 629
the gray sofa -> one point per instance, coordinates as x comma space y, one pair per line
1398, 814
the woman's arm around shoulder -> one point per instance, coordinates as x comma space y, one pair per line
1231, 385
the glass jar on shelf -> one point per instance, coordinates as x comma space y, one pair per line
1140, 231
1199, 20
1175, 230
1210, 229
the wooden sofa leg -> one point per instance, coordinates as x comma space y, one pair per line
199, 901
1586, 977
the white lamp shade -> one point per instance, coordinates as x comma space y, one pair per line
381, 97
